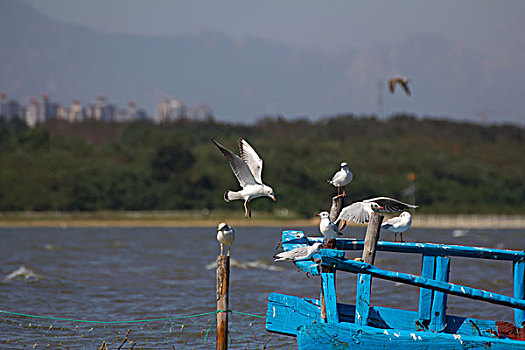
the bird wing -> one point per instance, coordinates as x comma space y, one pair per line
240, 168
338, 177
404, 84
391, 85
393, 222
355, 211
335, 229
251, 158
389, 204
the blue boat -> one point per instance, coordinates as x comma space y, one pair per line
326, 324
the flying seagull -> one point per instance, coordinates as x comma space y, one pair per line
360, 211
247, 169
297, 254
398, 224
328, 228
341, 178
225, 235
403, 81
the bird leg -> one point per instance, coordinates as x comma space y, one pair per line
342, 225
401, 237
221, 248
229, 250
247, 212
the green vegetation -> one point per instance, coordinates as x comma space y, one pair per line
460, 167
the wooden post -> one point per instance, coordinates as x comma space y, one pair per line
223, 282
335, 209
371, 238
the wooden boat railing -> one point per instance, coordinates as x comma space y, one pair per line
434, 279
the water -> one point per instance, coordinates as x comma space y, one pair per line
120, 274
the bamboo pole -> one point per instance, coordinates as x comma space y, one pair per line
223, 282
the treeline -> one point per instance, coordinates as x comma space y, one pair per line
459, 167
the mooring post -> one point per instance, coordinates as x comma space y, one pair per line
335, 209
223, 282
372, 236
364, 282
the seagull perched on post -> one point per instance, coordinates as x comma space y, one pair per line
341, 178
297, 254
247, 169
360, 211
398, 224
328, 228
225, 235
403, 81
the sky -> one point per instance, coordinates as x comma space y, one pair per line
490, 26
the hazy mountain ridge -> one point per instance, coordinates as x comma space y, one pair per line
247, 79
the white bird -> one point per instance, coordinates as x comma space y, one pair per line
247, 169
398, 224
360, 211
403, 81
341, 178
297, 254
225, 235
328, 228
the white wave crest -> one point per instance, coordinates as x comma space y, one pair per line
248, 265
22, 272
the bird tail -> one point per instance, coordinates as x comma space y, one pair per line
231, 196
386, 226
329, 181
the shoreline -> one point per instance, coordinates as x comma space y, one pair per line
182, 219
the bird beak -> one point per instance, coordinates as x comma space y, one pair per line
273, 198
381, 207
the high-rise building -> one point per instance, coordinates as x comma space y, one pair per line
169, 110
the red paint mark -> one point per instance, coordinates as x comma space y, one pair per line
509, 330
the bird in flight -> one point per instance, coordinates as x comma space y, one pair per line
403, 81
247, 169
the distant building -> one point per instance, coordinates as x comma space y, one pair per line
47, 110
200, 112
9, 109
76, 112
32, 114
169, 110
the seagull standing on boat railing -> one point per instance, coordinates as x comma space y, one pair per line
360, 212
225, 235
328, 228
298, 254
341, 178
398, 224
247, 169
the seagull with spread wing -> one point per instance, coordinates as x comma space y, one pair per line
403, 81
360, 211
247, 169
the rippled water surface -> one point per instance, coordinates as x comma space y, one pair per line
123, 274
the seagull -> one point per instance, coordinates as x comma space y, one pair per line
398, 224
341, 178
225, 235
297, 254
403, 81
328, 228
360, 211
247, 169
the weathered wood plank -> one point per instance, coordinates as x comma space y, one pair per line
330, 297
362, 299
455, 289
519, 290
373, 231
286, 313
314, 336
439, 302
223, 282
428, 263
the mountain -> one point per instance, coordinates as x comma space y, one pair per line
244, 80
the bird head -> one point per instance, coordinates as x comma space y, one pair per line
405, 214
323, 215
268, 191
317, 246
376, 207
344, 164
222, 226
